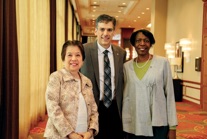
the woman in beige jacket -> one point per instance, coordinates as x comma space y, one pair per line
71, 107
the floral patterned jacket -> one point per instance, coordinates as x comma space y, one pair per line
62, 101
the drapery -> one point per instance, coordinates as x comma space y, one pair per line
60, 32
33, 27
9, 78
31, 35
53, 50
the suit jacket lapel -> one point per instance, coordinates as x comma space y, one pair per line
94, 59
116, 63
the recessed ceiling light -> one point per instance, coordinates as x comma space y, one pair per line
147, 8
142, 12
138, 17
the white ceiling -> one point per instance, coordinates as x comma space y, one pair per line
133, 14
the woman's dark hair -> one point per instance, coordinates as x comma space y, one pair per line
147, 33
72, 43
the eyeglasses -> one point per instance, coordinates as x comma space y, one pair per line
144, 40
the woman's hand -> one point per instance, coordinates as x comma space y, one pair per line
74, 135
87, 135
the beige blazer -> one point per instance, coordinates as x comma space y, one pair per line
62, 101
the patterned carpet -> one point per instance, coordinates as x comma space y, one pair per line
192, 123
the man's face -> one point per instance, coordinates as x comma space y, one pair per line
104, 33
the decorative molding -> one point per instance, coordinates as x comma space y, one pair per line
191, 97
192, 82
187, 86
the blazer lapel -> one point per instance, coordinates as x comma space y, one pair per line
94, 59
116, 64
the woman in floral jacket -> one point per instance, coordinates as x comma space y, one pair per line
71, 107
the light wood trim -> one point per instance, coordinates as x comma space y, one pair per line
192, 82
191, 98
191, 87
188, 86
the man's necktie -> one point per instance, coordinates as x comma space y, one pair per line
107, 80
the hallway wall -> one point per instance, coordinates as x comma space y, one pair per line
184, 20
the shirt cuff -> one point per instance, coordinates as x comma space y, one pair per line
172, 127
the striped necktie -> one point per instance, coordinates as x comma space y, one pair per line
107, 100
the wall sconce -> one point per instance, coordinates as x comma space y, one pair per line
170, 50
175, 56
185, 43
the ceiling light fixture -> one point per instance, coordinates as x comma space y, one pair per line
95, 5
149, 25
129, 6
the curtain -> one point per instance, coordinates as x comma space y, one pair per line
60, 25
9, 82
66, 20
70, 22
33, 27
53, 51
74, 28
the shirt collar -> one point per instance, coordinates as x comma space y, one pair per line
102, 49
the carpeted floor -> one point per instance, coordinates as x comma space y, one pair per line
192, 123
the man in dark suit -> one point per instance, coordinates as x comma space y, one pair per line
110, 125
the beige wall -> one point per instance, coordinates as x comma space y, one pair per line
158, 20
184, 20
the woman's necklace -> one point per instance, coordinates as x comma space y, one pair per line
144, 63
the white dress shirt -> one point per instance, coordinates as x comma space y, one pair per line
101, 69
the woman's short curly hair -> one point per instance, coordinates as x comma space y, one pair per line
147, 33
